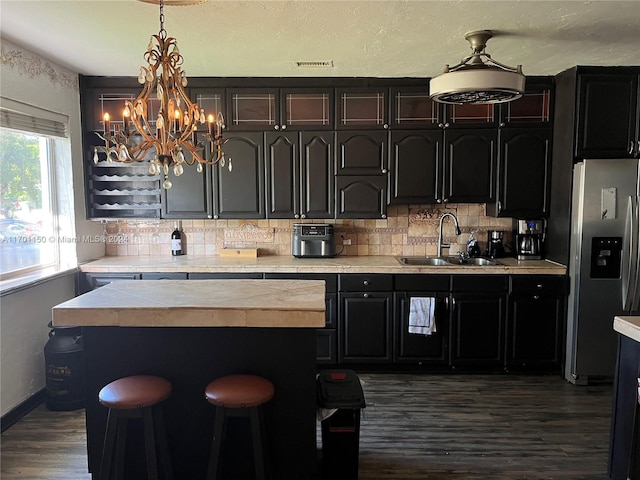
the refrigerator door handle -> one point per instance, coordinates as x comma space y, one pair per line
630, 256
635, 292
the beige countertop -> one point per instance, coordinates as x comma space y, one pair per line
288, 264
628, 326
198, 303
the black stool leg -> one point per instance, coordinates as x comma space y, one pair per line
256, 437
216, 444
109, 443
121, 446
163, 446
150, 444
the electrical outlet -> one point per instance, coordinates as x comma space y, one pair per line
346, 241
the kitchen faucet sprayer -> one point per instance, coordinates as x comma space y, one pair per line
441, 244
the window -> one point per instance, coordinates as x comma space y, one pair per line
28, 215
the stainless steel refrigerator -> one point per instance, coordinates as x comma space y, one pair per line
604, 264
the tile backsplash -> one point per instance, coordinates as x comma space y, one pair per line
407, 230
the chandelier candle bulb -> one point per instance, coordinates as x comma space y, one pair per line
107, 123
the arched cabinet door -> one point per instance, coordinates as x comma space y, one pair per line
361, 197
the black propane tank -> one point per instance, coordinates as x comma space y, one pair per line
64, 366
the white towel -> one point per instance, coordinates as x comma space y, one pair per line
421, 315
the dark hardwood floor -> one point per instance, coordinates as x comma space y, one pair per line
434, 427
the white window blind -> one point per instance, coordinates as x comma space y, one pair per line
27, 118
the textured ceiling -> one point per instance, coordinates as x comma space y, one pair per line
392, 38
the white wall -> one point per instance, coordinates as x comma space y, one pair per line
24, 314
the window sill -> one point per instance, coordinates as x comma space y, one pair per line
12, 285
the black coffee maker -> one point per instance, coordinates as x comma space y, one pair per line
529, 238
495, 248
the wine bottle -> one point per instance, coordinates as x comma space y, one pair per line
176, 240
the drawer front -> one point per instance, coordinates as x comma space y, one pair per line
366, 283
422, 283
539, 284
479, 283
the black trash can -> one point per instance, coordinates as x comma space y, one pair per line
64, 369
341, 390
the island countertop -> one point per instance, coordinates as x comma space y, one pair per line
198, 303
288, 264
628, 326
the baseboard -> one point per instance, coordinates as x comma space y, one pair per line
21, 410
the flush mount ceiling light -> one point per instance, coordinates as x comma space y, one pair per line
478, 78
174, 131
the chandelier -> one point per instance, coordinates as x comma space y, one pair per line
478, 78
176, 126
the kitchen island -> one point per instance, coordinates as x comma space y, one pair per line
192, 332
624, 447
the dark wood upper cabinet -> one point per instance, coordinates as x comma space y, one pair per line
240, 193
365, 107
279, 108
523, 174
470, 115
316, 175
361, 196
413, 170
283, 178
533, 109
411, 108
608, 116
470, 162
361, 153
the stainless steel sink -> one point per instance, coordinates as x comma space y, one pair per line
424, 261
445, 261
476, 261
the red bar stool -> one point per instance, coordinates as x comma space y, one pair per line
239, 396
137, 396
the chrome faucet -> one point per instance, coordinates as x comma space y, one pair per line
441, 244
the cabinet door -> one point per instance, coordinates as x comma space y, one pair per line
411, 107
471, 115
189, 195
533, 109
534, 331
607, 116
365, 327
421, 349
305, 108
240, 193
253, 109
316, 172
477, 329
523, 174
470, 166
327, 340
362, 107
283, 178
361, 153
413, 169
361, 197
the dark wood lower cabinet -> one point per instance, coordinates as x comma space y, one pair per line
483, 322
365, 327
418, 349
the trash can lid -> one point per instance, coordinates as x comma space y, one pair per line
339, 389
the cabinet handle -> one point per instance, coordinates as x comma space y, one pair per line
366, 295
539, 286
385, 126
209, 216
502, 125
384, 170
284, 127
631, 148
445, 200
499, 206
638, 148
276, 127
439, 200
383, 216
366, 282
303, 216
441, 125
446, 125
296, 216
536, 297
215, 217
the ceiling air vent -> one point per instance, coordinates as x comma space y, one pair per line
316, 64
